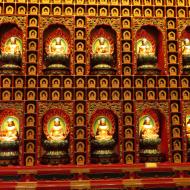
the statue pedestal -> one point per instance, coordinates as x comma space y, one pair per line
147, 65
9, 153
103, 151
186, 64
149, 151
55, 152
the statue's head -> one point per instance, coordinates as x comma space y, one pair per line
101, 40
10, 123
102, 121
56, 122
144, 41
58, 41
13, 40
186, 41
146, 121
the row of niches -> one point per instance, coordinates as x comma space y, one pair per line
93, 95
68, 10
112, 2
102, 134
89, 82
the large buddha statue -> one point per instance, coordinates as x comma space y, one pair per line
148, 130
56, 132
102, 46
102, 132
186, 56
57, 48
10, 134
188, 128
12, 47
145, 49
186, 48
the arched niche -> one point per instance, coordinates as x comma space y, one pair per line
11, 47
153, 136
10, 133
103, 129
103, 50
55, 137
185, 50
149, 50
57, 49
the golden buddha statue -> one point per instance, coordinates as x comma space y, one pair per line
144, 49
186, 48
58, 47
12, 48
102, 47
102, 132
148, 130
10, 134
56, 132
188, 128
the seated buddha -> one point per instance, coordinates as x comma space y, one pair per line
145, 49
188, 128
10, 134
102, 48
56, 132
186, 49
148, 130
12, 48
102, 132
57, 48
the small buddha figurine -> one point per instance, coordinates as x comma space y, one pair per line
186, 49
57, 48
102, 132
148, 131
144, 49
13, 48
102, 48
56, 132
11, 132
188, 128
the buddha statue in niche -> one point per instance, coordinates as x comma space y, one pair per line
56, 132
102, 132
186, 55
146, 58
148, 130
102, 47
188, 128
10, 133
57, 48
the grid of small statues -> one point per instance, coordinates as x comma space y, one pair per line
81, 88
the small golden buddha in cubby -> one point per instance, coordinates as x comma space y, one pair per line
30, 134
92, 11
136, 12
56, 83
103, 95
170, 2
176, 132
129, 159
126, 47
91, 83
80, 147
30, 121
32, 46
115, 83
129, 146
128, 120
186, 95
177, 145
32, 83
151, 95
139, 83
173, 83
30, 108
79, 95
32, 70
150, 83
127, 108
45, 11
103, 83
177, 158
127, 71
68, 83
181, 13
67, 95
162, 95
127, 95
147, 2
126, 58
128, 133
174, 95
6, 83
148, 13
126, 23
6, 95
170, 13
30, 147
57, 10
33, 10
19, 83
80, 58
171, 24
181, 3
114, 12
80, 121
29, 161
43, 95
159, 13
80, 83
43, 83
55, 95
31, 95
139, 95
80, 160
21, 10
175, 120
172, 59
80, 134
92, 95
115, 95
173, 71
185, 83
137, 2
32, 58
103, 12
162, 83
18, 95
125, 12
80, 46
80, 34
80, 108
32, 34
171, 35
80, 11
68, 11
9, 10
174, 107
125, 2
172, 47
